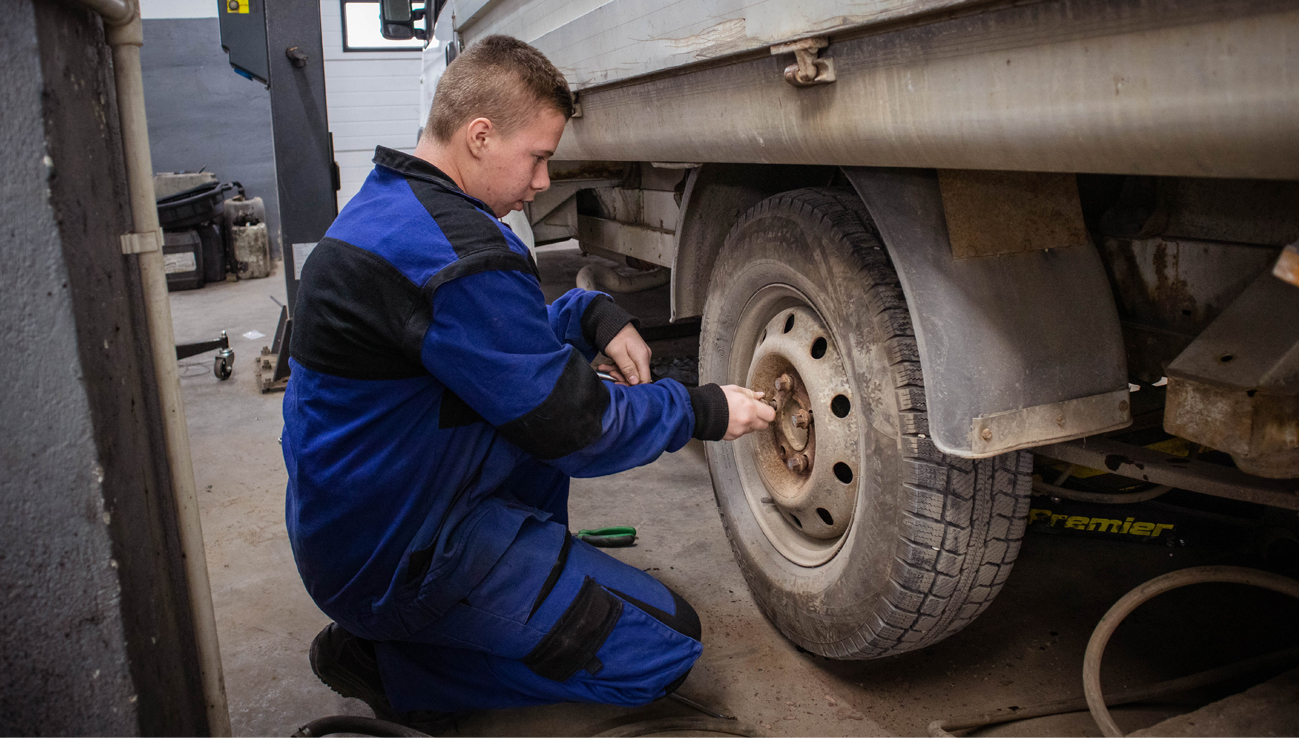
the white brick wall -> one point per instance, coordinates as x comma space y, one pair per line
373, 99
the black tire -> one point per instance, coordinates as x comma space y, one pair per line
932, 537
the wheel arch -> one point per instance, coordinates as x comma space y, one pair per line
715, 197
1045, 360
1020, 346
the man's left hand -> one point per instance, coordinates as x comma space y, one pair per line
632, 355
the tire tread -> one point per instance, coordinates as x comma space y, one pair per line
963, 520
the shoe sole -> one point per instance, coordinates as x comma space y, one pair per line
343, 684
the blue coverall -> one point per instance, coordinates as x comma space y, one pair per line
435, 412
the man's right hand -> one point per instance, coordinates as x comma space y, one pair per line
748, 412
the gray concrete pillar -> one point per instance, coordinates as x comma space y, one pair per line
95, 634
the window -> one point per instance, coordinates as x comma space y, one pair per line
361, 30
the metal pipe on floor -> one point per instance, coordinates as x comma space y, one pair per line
124, 32
603, 279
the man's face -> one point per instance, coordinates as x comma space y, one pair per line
512, 169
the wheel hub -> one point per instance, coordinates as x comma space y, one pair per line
793, 414
807, 458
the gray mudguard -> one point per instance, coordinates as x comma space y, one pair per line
1017, 350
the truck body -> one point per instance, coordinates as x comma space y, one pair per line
988, 221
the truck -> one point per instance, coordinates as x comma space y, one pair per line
946, 236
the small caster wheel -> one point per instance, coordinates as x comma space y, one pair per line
224, 364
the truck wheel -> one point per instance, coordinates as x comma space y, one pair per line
857, 536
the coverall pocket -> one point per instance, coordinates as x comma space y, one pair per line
579, 633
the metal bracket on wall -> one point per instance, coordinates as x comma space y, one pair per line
807, 69
141, 243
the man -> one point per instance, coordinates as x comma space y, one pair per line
436, 411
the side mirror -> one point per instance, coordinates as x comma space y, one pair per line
397, 18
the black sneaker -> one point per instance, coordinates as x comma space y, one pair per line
347, 665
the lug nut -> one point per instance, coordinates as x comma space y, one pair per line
784, 383
802, 419
797, 463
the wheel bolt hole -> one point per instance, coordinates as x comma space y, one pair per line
797, 522
784, 452
840, 406
843, 472
818, 348
825, 516
763, 337
789, 323
1224, 358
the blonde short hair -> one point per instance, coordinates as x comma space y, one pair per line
501, 79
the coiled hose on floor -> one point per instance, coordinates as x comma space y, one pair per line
1099, 703
1151, 589
356, 725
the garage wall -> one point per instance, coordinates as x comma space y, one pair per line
202, 114
373, 101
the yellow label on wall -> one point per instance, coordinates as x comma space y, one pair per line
237, 6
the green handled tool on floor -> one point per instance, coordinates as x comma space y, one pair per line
616, 536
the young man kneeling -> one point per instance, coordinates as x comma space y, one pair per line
436, 411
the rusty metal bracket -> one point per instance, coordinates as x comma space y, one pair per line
1031, 425
1236, 386
1180, 472
807, 69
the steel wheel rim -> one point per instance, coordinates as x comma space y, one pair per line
805, 513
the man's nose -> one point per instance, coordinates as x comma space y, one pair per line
541, 181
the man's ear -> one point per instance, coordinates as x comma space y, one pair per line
478, 134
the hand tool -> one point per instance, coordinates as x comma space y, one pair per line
616, 536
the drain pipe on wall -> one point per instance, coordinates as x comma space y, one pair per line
125, 34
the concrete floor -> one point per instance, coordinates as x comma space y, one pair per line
1027, 648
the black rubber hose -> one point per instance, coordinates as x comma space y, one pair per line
681, 725
1147, 591
1097, 702
1114, 699
357, 726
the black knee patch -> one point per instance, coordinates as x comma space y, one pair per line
684, 621
579, 633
